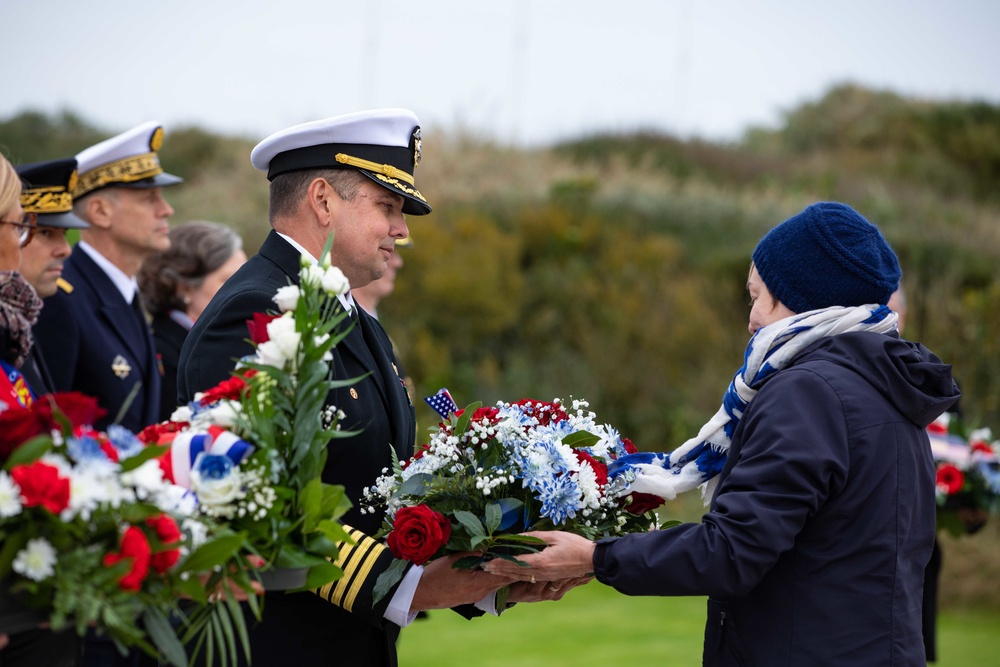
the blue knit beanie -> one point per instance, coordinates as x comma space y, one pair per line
827, 255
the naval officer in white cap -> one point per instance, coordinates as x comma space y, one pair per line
92, 332
351, 176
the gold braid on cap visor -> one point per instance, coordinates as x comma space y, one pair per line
47, 200
368, 165
127, 170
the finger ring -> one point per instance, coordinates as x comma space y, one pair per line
532, 578
554, 589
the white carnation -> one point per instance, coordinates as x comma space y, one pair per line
335, 282
287, 298
10, 496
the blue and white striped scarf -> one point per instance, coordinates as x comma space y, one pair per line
698, 461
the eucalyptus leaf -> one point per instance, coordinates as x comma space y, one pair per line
211, 554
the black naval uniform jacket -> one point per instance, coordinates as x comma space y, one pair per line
338, 624
93, 342
169, 337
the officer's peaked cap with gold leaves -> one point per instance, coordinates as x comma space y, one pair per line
48, 192
128, 160
383, 144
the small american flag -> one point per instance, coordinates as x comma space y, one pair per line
443, 403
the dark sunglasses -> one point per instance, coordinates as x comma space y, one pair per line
27, 225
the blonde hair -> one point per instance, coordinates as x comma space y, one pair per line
10, 186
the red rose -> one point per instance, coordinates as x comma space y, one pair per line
41, 485
600, 470
629, 447
227, 389
258, 327
644, 502
950, 479
135, 547
168, 533
17, 426
417, 533
79, 409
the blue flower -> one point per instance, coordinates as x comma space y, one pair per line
124, 441
85, 449
214, 466
560, 498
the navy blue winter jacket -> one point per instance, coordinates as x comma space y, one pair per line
814, 548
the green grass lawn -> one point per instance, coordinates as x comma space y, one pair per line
594, 626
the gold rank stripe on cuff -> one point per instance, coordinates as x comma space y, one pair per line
126, 170
368, 165
357, 561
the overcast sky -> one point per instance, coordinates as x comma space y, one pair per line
521, 71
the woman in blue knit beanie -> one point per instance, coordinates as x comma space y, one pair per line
817, 469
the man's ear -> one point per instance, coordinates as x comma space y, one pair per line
323, 201
100, 210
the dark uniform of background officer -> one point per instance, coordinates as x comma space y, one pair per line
92, 332
48, 193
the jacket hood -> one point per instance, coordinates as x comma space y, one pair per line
912, 377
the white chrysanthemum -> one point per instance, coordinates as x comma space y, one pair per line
10, 496
36, 561
590, 490
197, 530
334, 282
147, 479
287, 298
93, 486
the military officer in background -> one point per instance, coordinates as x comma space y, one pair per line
93, 332
48, 193
350, 176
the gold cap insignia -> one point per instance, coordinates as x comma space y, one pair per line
120, 367
156, 141
416, 147
74, 175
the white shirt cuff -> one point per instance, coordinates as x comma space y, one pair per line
488, 604
398, 611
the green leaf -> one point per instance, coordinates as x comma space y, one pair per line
494, 514
216, 552
389, 578
468, 562
335, 501
163, 635
194, 589
145, 454
520, 539
311, 504
581, 439
321, 575
462, 425
293, 557
29, 452
416, 485
471, 523
334, 531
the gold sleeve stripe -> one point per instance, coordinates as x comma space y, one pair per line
64, 285
368, 165
356, 562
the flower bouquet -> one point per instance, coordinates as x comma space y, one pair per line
252, 448
967, 474
92, 534
491, 473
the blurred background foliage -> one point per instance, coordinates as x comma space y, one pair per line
612, 267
